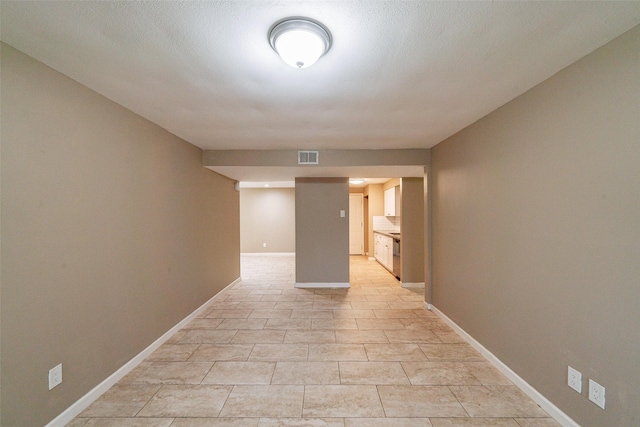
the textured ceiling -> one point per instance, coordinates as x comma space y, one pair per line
400, 74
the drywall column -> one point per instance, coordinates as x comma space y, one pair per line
412, 228
322, 233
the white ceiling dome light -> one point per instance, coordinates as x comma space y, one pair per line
300, 42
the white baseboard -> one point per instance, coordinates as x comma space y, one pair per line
412, 285
81, 404
322, 285
534, 394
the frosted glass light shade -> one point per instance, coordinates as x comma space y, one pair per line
300, 42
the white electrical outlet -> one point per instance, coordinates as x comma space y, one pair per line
596, 393
574, 379
55, 376
264, 245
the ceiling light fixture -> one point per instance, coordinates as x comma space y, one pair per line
300, 42
356, 181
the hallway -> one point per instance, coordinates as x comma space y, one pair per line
267, 354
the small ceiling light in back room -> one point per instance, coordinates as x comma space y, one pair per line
300, 42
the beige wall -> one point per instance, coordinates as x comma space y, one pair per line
267, 216
412, 228
536, 232
112, 232
322, 236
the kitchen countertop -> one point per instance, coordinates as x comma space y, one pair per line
392, 235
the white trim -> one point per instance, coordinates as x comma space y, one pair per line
322, 285
412, 285
534, 394
81, 404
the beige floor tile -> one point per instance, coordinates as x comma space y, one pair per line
474, 422
294, 305
351, 296
186, 401
203, 323
121, 401
537, 422
207, 336
406, 305
240, 373
288, 324
369, 305
174, 373
220, 305
309, 337
439, 373
411, 336
264, 401
256, 340
420, 323
451, 352
301, 422
306, 373
280, 352
265, 292
337, 352
215, 422
353, 314
394, 314
270, 314
242, 324
361, 337
215, 352
419, 401
333, 324
496, 401
385, 298
80, 422
258, 337
379, 324
244, 298
259, 305
282, 298
173, 352
135, 373
394, 352
312, 314
127, 422
342, 401
448, 337
238, 313
387, 422
487, 374
377, 373
332, 305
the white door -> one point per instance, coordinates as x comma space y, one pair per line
356, 224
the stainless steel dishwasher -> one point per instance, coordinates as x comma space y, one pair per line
396, 256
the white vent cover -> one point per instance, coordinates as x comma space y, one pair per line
307, 157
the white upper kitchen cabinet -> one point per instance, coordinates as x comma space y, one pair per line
392, 201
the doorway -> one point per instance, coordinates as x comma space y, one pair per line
356, 224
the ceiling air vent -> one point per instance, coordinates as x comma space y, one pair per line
307, 157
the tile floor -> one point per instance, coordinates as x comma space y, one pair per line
267, 354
